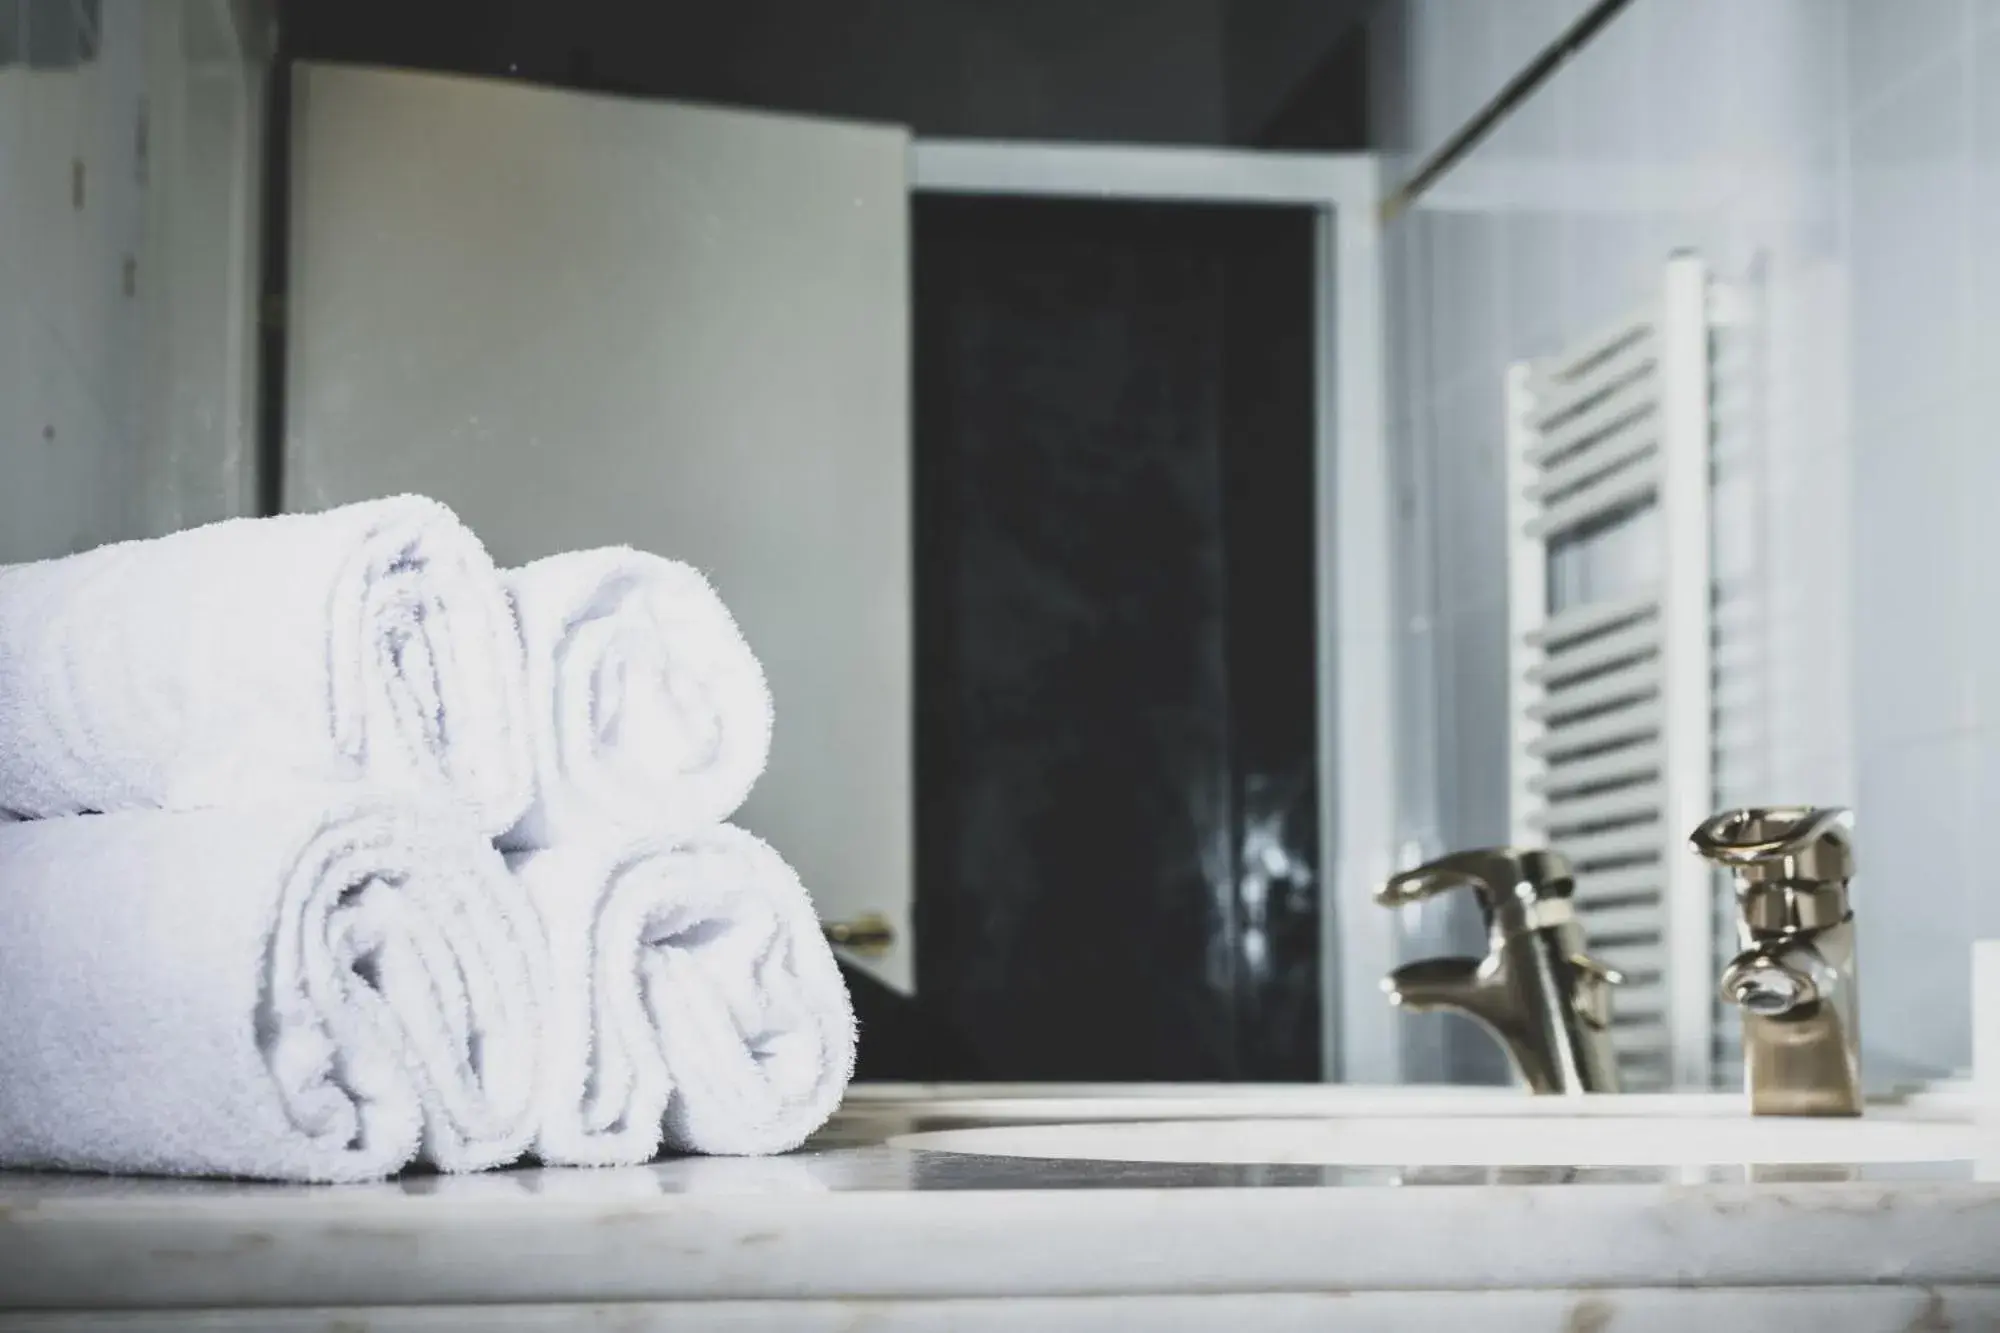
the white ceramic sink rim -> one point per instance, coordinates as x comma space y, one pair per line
970, 1105
1640, 1139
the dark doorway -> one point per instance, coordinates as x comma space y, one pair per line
1117, 852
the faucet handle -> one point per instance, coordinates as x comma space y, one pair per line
1794, 843
1497, 874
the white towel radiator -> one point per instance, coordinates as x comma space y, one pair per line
1610, 607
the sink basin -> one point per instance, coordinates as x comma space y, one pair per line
1553, 1140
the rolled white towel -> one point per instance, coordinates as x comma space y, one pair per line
297, 992
372, 642
693, 1001
649, 712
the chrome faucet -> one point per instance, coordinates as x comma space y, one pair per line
1795, 977
1547, 1001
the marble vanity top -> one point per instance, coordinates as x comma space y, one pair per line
860, 1215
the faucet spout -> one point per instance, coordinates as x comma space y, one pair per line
1430, 984
1479, 989
1800, 1044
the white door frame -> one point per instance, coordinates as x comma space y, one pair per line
1356, 715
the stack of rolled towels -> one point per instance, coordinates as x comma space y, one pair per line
327, 849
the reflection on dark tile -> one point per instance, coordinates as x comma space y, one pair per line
1117, 798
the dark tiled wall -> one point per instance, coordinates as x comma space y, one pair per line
1117, 796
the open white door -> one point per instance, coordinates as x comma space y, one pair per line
583, 320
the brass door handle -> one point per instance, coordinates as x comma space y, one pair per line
869, 934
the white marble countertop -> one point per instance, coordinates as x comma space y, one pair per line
855, 1218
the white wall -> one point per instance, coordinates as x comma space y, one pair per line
127, 270
583, 321
1842, 162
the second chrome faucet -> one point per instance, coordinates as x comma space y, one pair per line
1795, 976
